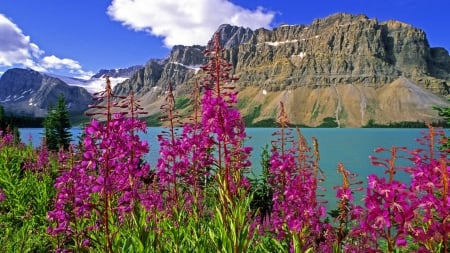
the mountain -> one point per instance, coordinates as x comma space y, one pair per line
28, 92
348, 67
116, 73
97, 82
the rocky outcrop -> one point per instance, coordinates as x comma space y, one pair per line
143, 81
340, 49
233, 36
178, 69
351, 105
120, 72
28, 92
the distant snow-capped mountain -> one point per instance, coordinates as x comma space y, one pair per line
29, 92
97, 82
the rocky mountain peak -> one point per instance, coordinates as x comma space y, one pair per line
314, 67
339, 19
27, 78
120, 72
25, 91
187, 55
232, 36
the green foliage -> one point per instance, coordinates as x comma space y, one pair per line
242, 102
262, 191
137, 234
329, 122
445, 113
57, 125
263, 123
18, 121
230, 228
182, 102
28, 195
154, 120
248, 119
403, 124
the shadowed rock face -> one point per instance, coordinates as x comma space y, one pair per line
25, 91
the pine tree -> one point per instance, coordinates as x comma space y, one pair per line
445, 113
57, 125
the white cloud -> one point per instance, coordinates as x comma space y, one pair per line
53, 62
74, 67
16, 49
186, 22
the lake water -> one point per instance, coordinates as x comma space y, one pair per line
351, 146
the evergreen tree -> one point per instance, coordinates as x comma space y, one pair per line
57, 125
445, 113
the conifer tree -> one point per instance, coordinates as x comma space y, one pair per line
445, 113
57, 125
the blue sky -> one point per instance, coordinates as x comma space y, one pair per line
80, 37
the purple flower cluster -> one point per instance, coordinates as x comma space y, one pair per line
397, 210
211, 144
38, 160
182, 161
296, 210
6, 138
2, 195
107, 177
348, 211
388, 211
222, 121
432, 201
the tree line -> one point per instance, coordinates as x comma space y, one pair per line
56, 125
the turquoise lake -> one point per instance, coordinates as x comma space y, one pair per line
351, 146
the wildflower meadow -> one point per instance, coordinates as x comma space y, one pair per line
101, 195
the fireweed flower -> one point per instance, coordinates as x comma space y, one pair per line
6, 138
2, 195
183, 159
432, 215
222, 121
389, 206
429, 184
348, 212
110, 164
296, 211
295, 207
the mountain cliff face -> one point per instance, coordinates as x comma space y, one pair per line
114, 73
341, 49
28, 92
348, 67
179, 68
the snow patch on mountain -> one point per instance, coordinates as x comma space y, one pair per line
92, 85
